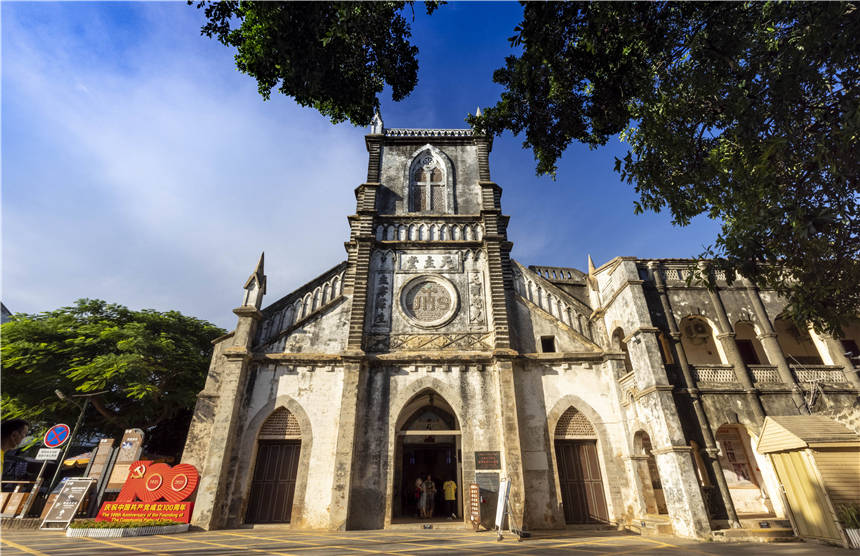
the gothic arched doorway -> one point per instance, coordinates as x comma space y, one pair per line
579, 469
273, 482
428, 443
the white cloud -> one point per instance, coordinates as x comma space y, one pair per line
160, 188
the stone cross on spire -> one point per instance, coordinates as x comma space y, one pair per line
255, 286
377, 126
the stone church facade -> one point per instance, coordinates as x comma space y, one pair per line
621, 394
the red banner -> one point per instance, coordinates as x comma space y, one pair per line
179, 512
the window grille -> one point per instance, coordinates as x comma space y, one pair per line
280, 425
574, 424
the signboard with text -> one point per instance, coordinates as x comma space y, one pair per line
47, 454
179, 512
129, 451
488, 460
68, 501
475, 505
153, 491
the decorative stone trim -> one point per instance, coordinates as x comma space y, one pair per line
765, 374
429, 229
720, 374
672, 449
421, 132
652, 389
819, 373
101, 533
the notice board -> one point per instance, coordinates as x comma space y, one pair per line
68, 501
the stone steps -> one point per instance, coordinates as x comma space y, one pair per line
652, 526
768, 535
435, 525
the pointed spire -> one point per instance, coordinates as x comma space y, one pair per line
255, 285
592, 278
377, 126
478, 112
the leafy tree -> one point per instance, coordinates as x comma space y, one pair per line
746, 112
334, 56
150, 365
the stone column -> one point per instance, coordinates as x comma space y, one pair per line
727, 339
837, 351
511, 438
210, 506
771, 346
711, 449
354, 369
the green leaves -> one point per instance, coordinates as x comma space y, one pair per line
746, 112
151, 364
336, 57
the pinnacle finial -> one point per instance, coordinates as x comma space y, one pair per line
255, 285
478, 112
592, 278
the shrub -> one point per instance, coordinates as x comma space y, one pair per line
849, 515
93, 524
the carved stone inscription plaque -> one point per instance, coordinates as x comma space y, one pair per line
428, 301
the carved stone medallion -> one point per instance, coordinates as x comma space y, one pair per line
429, 301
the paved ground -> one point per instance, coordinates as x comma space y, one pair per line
283, 541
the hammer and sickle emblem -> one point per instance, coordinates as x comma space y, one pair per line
138, 471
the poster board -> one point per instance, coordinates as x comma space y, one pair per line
68, 502
475, 505
502, 504
130, 448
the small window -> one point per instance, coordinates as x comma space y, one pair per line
547, 344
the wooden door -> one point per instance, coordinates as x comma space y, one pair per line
274, 482
806, 496
581, 484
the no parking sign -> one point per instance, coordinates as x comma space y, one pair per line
56, 436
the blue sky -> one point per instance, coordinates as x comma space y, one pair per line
139, 167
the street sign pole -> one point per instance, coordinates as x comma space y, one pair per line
68, 445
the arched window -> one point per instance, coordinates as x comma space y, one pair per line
697, 337
796, 344
427, 184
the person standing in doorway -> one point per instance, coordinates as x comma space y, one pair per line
450, 488
419, 507
428, 495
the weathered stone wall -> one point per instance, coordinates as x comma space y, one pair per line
325, 333
470, 389
313, 391
546, 389
394, 165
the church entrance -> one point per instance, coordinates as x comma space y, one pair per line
428, 443
579, 476
581, 484
273, 483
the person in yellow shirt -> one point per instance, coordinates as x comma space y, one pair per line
450, 488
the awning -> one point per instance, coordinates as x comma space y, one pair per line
796, 432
